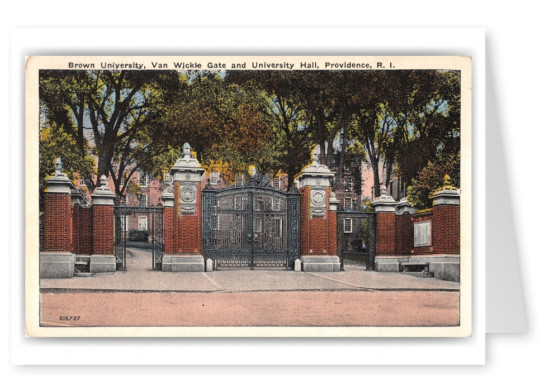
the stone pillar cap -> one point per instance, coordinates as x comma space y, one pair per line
315, 173
404, 206
447, 194
168, 196
103, 194
59, 182
384, 203
187, 162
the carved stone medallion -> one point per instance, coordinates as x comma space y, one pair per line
317, 202
188, 197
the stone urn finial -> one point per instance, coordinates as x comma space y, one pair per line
447, 180
58, 166
103, 181
186, 151
316, 155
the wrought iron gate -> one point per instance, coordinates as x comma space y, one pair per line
356, 237
140, 227
251, 226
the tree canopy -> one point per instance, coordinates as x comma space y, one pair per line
402, 122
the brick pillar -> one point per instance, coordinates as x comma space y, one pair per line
103, 231
445, 261
385, 233
56, 259
183, 216
318, 222
445, 220
404, 227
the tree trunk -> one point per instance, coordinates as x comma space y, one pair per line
340, 167
376, 180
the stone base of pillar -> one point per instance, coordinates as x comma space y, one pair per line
57, 265
444, 267
389, 264
103, 264
183, 263
320, 263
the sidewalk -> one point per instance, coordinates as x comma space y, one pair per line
140, 278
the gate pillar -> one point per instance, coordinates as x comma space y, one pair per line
183, 216
103, 232
385, 228
318, 219
56, 259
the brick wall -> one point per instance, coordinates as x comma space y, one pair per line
445, 230
103, 229
57, 222
385, 242
426, 216
404, 234
82, 230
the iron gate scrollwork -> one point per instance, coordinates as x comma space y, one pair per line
140, 227
251, 226
356, 237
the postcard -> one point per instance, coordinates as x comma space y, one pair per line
248, 196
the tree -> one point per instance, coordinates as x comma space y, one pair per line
118, 109
223, 123
54, 144
431, 177
405, 119
292, 139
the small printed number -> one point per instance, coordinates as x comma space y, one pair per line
69, 317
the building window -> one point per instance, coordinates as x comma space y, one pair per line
347, 203
215, 178
144, 180
143, 199
276, 182
142, 223
276, 205
347, 226
348, 184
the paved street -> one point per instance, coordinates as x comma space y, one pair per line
143, 297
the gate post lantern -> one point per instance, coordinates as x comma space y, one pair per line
56, 259
318, 223
103, 220
385, 231
183, 254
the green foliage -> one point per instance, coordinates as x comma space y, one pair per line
430, 178
139, 120
56, 143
